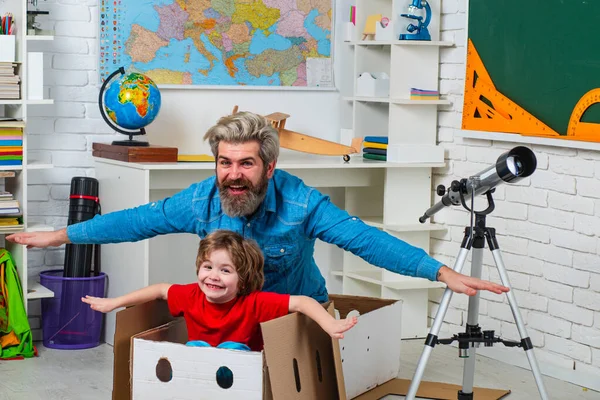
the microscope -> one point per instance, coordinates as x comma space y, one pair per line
420, 31
33, 27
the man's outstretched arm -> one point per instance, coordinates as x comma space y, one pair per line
333, 225
40, 239
169, 215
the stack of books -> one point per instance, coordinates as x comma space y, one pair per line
8, 205
9, 81
11, 143
375, 148
11, 215
422, 94
10, 212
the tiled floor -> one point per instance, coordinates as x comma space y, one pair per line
87, 375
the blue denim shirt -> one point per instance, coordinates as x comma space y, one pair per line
285, 226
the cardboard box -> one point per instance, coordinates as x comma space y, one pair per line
299, 361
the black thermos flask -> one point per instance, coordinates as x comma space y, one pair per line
83, 205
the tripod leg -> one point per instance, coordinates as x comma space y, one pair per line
472, 320
435, 329
525, 340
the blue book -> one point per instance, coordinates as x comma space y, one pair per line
11, 143
11, 162
369, 150
376, 139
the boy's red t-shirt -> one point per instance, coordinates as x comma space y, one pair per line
236, 321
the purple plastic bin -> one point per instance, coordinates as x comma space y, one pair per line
67, 322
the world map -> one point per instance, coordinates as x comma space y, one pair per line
219, 42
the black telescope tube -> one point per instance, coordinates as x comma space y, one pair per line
83, 205
522, 158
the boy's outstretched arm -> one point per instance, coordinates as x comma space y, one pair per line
311, 308
152, 292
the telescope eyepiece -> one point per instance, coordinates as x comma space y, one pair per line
515, 164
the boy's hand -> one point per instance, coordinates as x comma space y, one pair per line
100, 304
337, 327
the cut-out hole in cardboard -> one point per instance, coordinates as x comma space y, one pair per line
319, 368
297, 375
164, 371
224, 377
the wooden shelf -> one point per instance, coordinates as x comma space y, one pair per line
440, 102
9, 229
371, 276
296, 161
410, 126
374, 277
11, 167
32, 38
365, 99
440, 43
413, 283
11, 101
35, 165
39, 228
416, 228
377, 222
40, 102
37, 291
371, 99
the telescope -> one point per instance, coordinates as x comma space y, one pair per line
511, 167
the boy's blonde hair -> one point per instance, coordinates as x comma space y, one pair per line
245, 254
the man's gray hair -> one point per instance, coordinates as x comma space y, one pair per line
245, 127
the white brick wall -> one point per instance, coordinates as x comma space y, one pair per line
548, 228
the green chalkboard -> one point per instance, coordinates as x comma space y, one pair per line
542, 54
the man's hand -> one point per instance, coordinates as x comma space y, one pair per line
100, 304
460, 283
337, 327
40, 239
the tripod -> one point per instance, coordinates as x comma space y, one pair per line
475, 236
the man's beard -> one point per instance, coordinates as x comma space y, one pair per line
243, 204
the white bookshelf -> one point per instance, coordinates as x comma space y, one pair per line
12, 108
396, 203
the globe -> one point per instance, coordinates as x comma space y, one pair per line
133, 101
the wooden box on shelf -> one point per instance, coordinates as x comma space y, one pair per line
135, 153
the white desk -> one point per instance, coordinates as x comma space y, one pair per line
170, 258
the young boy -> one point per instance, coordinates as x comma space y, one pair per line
225, 307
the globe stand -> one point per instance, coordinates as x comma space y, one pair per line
129, 133
131, 142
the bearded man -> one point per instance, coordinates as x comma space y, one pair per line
274, 208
